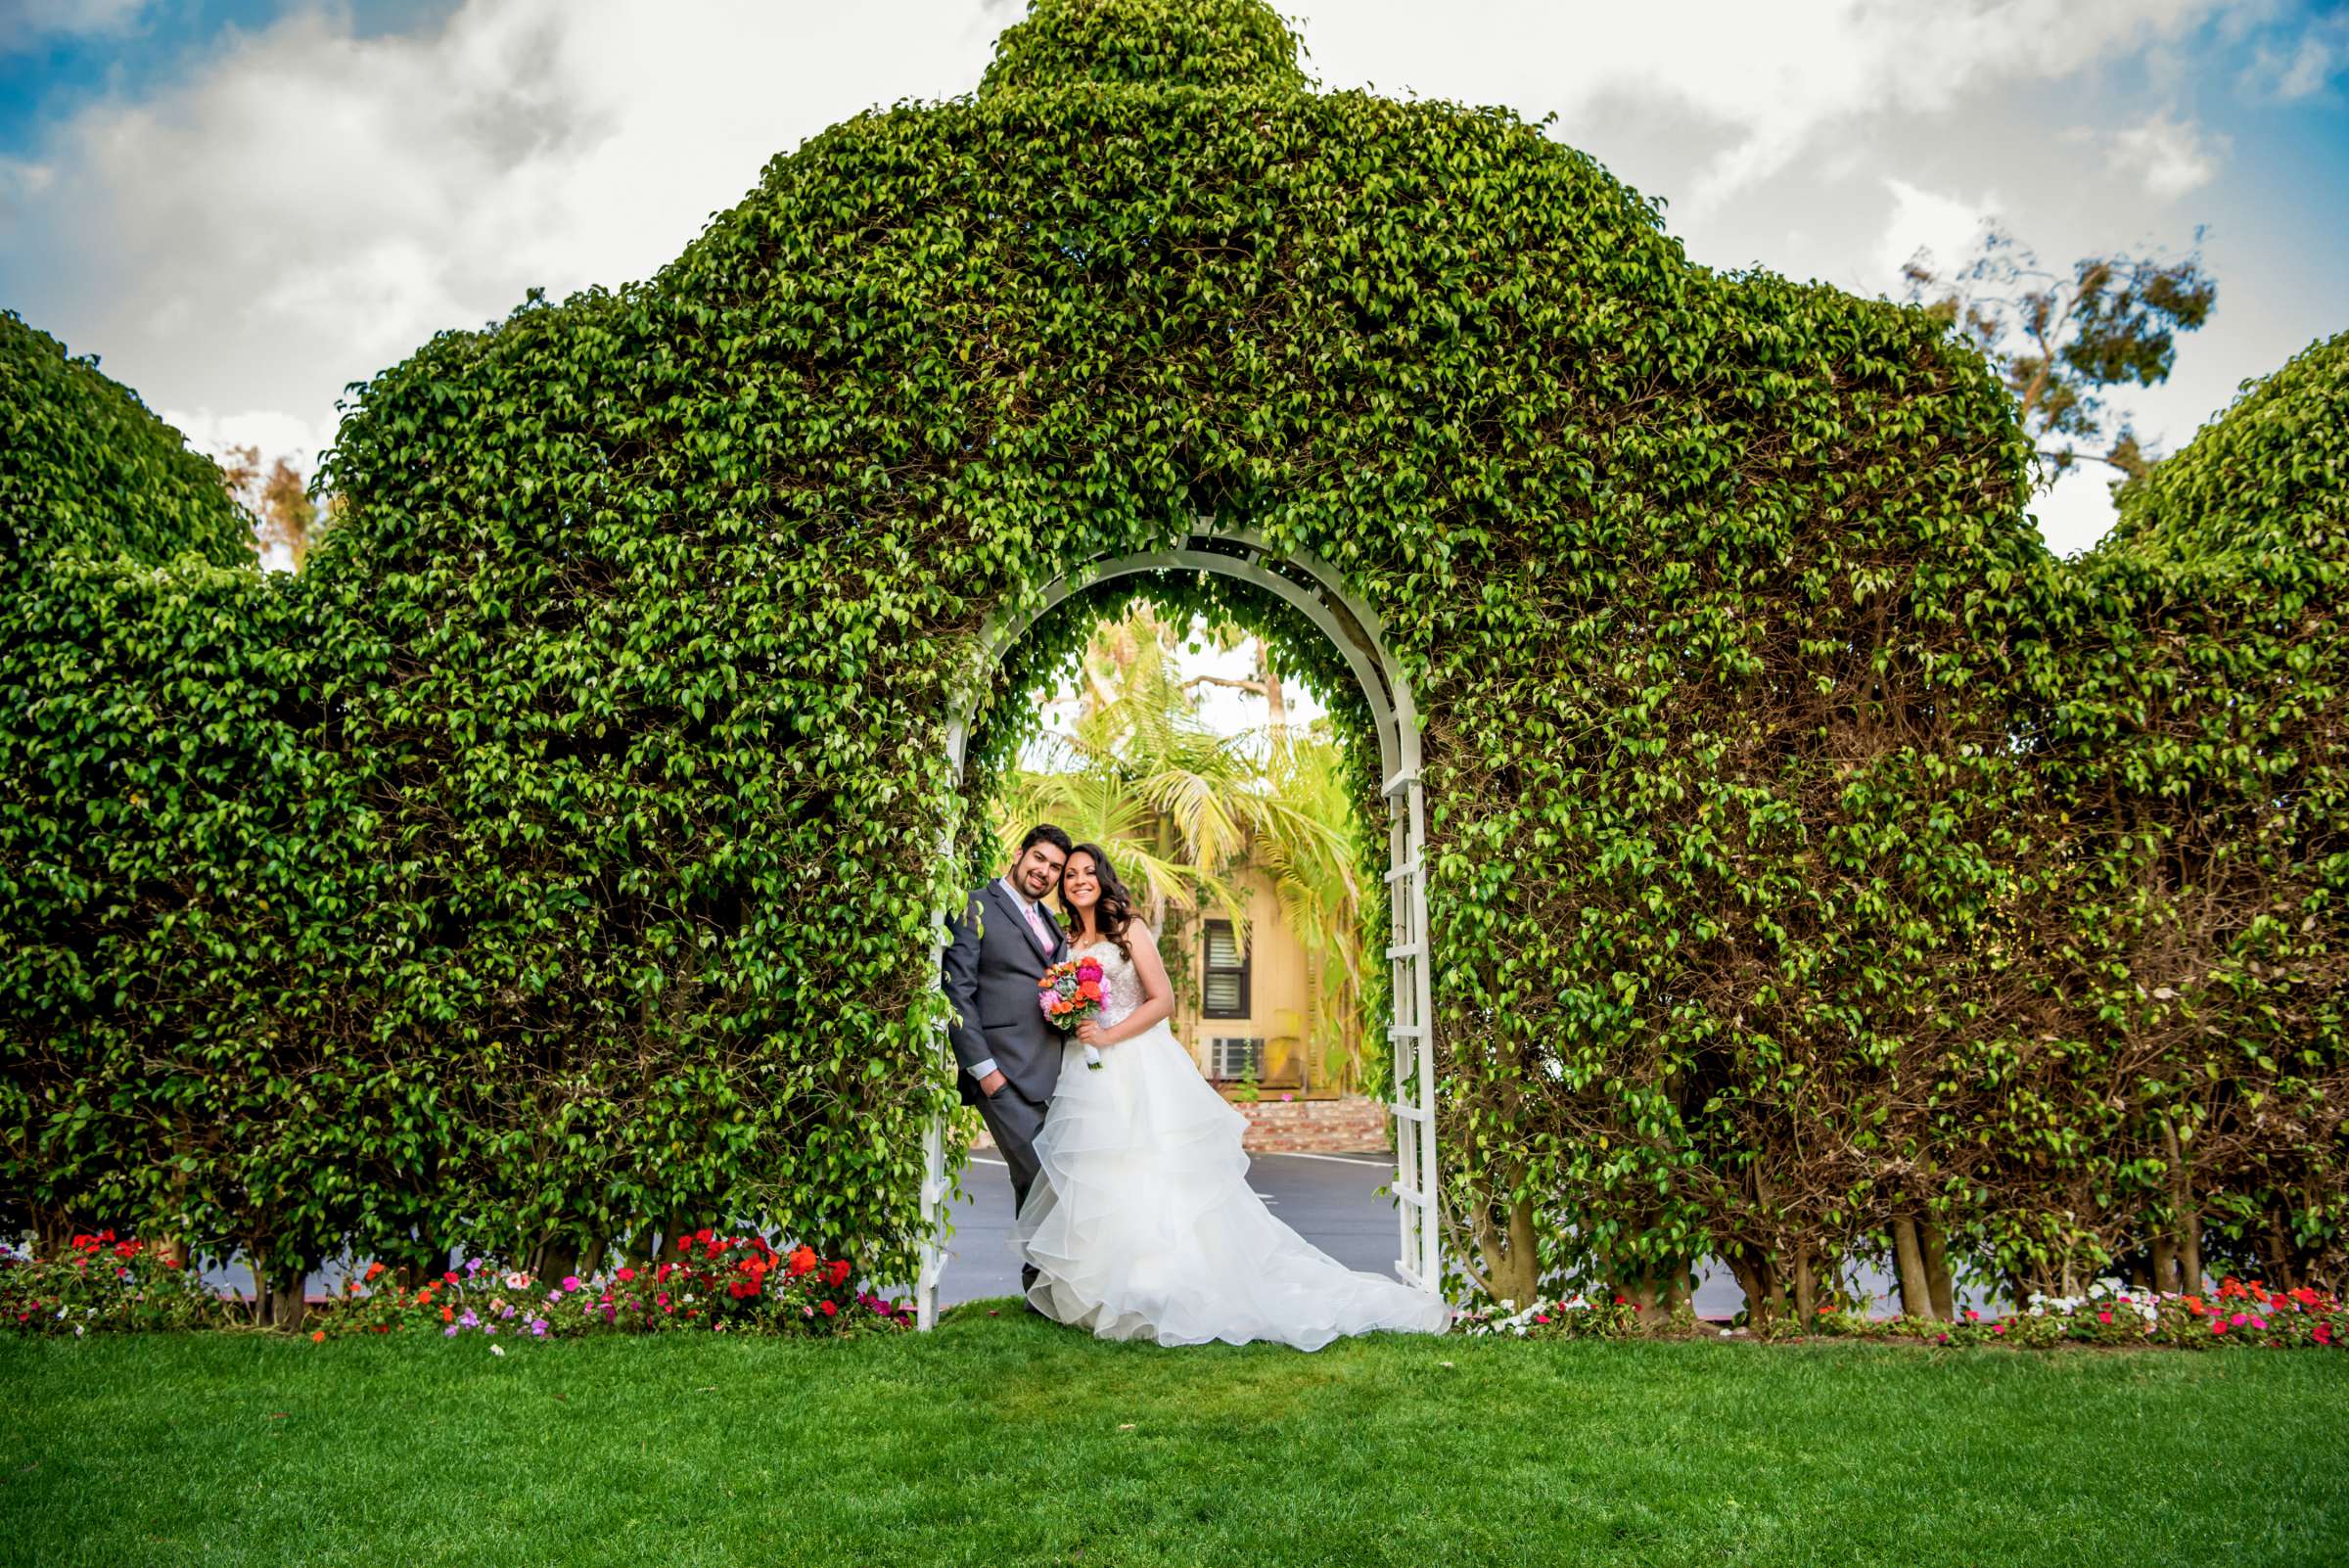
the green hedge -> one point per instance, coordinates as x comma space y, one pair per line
86, 467
1793, 813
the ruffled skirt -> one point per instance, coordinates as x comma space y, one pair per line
1142, 1224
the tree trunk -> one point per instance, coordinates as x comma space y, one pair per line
1750, 1277
557, 1255
1806, 1289
2189, 1224
2280, 1258
2165, 1265
1940, 1282
1908, 1262
1511, 1256
256, 1258
286, 1309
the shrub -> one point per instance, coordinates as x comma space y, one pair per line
1815, 867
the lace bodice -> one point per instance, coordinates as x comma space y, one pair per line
1123, 986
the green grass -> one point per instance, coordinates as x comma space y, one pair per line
1004, 1440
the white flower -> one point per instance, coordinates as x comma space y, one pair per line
497, 1349
518, 1280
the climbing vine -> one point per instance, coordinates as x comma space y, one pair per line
1817, 866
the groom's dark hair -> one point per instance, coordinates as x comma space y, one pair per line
1044, 832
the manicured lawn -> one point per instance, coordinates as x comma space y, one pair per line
1002, 1440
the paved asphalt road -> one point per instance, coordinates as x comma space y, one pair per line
1332, 1200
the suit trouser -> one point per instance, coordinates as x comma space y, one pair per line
1013, 1121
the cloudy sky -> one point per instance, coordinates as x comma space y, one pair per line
243, 204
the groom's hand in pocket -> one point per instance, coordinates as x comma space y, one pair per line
992, 1083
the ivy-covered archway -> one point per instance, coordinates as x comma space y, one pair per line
1351, 634
1815, 863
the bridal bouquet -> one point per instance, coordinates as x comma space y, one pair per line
1071, 993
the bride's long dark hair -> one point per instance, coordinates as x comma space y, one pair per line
1114, 911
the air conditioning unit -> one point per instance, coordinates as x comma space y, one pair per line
1231, 1057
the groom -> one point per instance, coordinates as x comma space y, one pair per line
1009, 1056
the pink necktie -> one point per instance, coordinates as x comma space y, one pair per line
1036, 923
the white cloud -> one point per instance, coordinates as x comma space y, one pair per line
301, 206
307, 206
27, 22
2077, 510
1948, 226
2168, 157
1773, 79
272, 432
2308, 64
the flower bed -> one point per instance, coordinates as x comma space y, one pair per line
103, 1282
723, 1283
2237, 1314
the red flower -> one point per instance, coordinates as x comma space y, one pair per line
803, 1262
840, 1271
450, 1277
624, 1275
828, 1310
374, 1268
449, 1315
106, 1235
661, 1274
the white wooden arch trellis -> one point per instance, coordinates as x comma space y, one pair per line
1353, 628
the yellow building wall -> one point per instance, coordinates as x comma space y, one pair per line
1279, 989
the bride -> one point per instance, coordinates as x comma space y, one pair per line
1144, 1225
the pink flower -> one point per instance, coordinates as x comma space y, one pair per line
1998, 1328
570, 1281
2103, 1317
2218, 1325
2239, 1320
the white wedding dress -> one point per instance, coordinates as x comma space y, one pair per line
1142, 1224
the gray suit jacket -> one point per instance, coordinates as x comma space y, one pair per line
992, 967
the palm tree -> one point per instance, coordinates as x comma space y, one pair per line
1181, 810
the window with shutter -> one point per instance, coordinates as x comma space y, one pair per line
1224, 990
